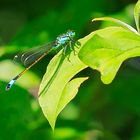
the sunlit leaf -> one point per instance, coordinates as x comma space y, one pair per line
137, 14
119, 22
103, 50
107, 48
56, 91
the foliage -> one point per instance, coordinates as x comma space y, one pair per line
103, 50
98, 111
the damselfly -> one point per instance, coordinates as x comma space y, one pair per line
62, 42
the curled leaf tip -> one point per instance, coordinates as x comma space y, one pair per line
95, 19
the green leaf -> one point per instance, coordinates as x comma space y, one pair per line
103, 50
107, 48
56, 89
136, 14
69, 92
119, 22
9, 70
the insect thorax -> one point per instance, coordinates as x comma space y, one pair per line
64, 38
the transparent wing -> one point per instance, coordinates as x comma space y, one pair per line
28, 57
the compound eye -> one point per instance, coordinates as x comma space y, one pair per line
71, 33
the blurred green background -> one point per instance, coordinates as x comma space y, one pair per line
99, 112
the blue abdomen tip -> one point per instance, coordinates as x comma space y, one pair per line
10, 84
